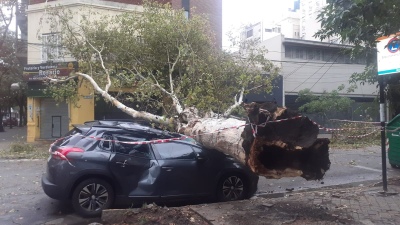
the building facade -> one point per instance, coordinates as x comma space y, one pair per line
317, 66
309, 10
299, 22
48, 119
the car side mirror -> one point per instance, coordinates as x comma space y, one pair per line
200, 157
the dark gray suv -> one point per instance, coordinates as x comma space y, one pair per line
102, 162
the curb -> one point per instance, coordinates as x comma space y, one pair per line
373, 183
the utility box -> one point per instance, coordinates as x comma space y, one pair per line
393, 134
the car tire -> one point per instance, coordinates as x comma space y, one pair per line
232, 187
91, 196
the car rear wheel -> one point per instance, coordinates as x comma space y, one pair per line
91, 196
232, 187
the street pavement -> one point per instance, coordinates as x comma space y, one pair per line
11, 135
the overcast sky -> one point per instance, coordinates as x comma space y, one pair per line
236, 13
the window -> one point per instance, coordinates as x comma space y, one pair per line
298, 53
175, 151
106, 142
123, 145
310, 54
288, 52
328, 56
51, 47
317, 55
249, 33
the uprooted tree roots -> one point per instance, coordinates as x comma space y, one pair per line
286, 148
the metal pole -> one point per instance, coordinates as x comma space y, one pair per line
383, 137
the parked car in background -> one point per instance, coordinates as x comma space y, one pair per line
13, 121
102, 162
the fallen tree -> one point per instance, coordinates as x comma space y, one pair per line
175, 66
275, 143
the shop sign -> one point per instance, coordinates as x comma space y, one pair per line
37, 72
388, 57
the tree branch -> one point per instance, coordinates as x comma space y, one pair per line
58, 81
121, 106
175, 99
7, 23
237, 103
108, 85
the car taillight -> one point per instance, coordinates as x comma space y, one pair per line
62, 153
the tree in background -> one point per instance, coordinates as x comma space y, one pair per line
9, 64
360, 23
325, 104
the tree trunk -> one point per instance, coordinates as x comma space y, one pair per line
275, 142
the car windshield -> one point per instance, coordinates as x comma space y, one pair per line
191, 140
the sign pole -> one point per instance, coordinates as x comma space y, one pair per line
383, 137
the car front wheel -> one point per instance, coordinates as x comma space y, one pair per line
91, 196
232, 187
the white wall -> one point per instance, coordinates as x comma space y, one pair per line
275, 49
37, 15
290, 27
319, 76
309, 10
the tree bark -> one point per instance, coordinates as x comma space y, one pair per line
275, 142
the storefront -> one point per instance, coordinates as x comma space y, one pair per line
48, 119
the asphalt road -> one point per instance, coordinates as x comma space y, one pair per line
22, 200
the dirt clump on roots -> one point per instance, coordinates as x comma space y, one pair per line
296, 211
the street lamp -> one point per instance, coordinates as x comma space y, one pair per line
14, 87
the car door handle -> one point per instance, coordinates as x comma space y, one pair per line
168, 169
122, 163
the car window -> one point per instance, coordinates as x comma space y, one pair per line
70, 140
106, 142
175, 151
198, 150
191, 140
122, 146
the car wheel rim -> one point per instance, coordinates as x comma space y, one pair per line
93, 197
232, 188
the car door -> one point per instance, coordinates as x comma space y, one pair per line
179, 170
134, 167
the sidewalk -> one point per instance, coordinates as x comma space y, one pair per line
12, 135
355, 205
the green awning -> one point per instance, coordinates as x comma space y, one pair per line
36, 89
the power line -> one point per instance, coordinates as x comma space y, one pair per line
323, 74
297, 69
315, 73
